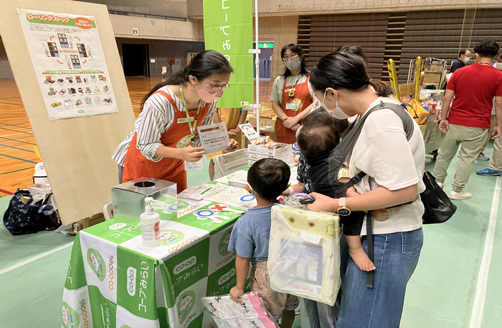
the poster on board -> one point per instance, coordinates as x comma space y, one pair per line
69, 63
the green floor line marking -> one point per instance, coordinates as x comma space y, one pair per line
15, 131
479, 299
28, 168
29, 143
19, 159
34, 258
30, 151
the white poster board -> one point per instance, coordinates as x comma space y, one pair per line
69, 64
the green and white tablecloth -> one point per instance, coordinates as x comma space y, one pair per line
113, 281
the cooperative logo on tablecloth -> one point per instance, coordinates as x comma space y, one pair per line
226, 277
224, 241
131, 281
69, 317
185, 305
170, 237
188, 263
117, 226
97, 263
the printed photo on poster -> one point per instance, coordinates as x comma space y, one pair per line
69, 63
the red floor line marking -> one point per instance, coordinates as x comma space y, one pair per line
6, 192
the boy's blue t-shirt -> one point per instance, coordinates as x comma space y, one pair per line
251, 234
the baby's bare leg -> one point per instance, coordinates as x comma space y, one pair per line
357, 253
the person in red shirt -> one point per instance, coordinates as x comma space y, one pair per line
467, 122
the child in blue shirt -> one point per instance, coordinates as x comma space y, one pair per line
267, 177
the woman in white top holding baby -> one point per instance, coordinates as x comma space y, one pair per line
394, 168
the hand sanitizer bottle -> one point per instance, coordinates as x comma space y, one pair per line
150, 225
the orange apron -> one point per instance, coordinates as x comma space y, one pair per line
303, 98
171, 169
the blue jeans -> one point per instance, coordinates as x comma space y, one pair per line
396, 257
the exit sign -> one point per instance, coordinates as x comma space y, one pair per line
265, 45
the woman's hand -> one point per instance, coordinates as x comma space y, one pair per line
381, 215
290, 122
234, 132
235, 294
323, 203
191, 154
232, 146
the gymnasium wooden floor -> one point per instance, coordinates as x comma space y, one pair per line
17, 142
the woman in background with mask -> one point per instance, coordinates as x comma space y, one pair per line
292, 96
165, 133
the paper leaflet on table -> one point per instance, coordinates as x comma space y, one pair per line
250, 313
213, 137
202, 191
235, 197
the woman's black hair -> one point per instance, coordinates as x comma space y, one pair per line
296, 49
345, 70
202, 66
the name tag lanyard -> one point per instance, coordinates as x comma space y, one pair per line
292, 92
192, 127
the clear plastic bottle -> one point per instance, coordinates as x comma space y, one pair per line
150, 225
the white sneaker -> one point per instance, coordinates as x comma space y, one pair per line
440, 184
460, 195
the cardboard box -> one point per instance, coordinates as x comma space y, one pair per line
432, 77
437, 68
129, 198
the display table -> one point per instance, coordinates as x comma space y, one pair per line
113, 281
432, 136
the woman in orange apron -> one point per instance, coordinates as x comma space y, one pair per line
292, 96
165, 134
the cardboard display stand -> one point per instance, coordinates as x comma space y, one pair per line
76, 152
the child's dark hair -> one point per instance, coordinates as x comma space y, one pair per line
269, 177
320, 133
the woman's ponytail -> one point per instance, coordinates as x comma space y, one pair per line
381, 88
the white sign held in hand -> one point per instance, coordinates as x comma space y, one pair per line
249, 132
214, 137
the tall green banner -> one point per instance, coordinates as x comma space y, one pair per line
228, 29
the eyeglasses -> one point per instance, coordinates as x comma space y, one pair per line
292, 56
213, 89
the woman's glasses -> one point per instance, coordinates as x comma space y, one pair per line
213, 89
292, 57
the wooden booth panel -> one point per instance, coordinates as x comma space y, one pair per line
76, 152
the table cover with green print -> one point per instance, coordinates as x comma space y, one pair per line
114, 281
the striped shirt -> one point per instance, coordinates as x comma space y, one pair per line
155, 119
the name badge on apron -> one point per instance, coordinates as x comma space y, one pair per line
185, 120
292, 105
193, 166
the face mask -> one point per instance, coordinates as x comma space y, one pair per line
293, 64
498, 66
466, 60
206, 96
337, 112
